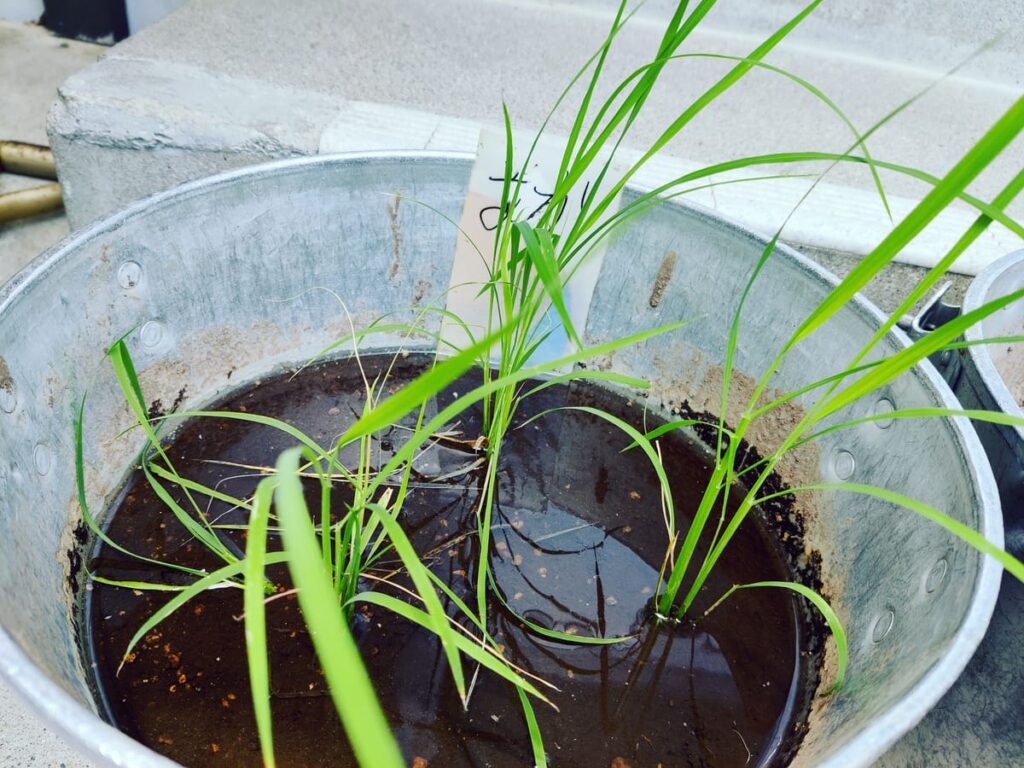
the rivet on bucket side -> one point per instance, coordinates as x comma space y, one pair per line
43, 458
882, 407
8, 399
129, 274
844, 464
152, 334
8, 390
936, 575
883, 625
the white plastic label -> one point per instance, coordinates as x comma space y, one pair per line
479, 222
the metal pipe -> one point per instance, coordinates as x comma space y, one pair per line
27, 160
30, 202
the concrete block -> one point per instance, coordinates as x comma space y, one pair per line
223, 83
33, 63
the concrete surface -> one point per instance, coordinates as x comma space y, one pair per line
32, 64
224, 83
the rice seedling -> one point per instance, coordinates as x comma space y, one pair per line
331, 559
533, 261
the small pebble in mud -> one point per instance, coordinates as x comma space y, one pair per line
634, 495
621, 762
215, 748
419, 762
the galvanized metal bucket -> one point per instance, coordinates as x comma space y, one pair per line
231, 277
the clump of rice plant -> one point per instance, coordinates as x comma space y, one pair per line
326, 557
534, 261
331, 556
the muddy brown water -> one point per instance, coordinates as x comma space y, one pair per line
578, 540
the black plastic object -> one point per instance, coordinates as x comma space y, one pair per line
101, 21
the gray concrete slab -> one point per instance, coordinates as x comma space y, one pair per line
222, 83
33, 63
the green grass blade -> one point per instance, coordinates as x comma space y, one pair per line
675, 34
563, 637
220, 576
124, 370
541, 251
906, 358
819, 602
954, 345
672, 426
455, 408
540, 758
255, 617
417, 571
956, 180
589, 374
299, 436
990, 417
730, 350
142, 586
700, 103
788, 158
817, 384
824, 99
420, 390
199, 488
127, 378
83, 503
638, 439
486, 658
963, 532
581, 113
351, 690
202, 533
1005, 196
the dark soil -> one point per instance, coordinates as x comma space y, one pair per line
578, 542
